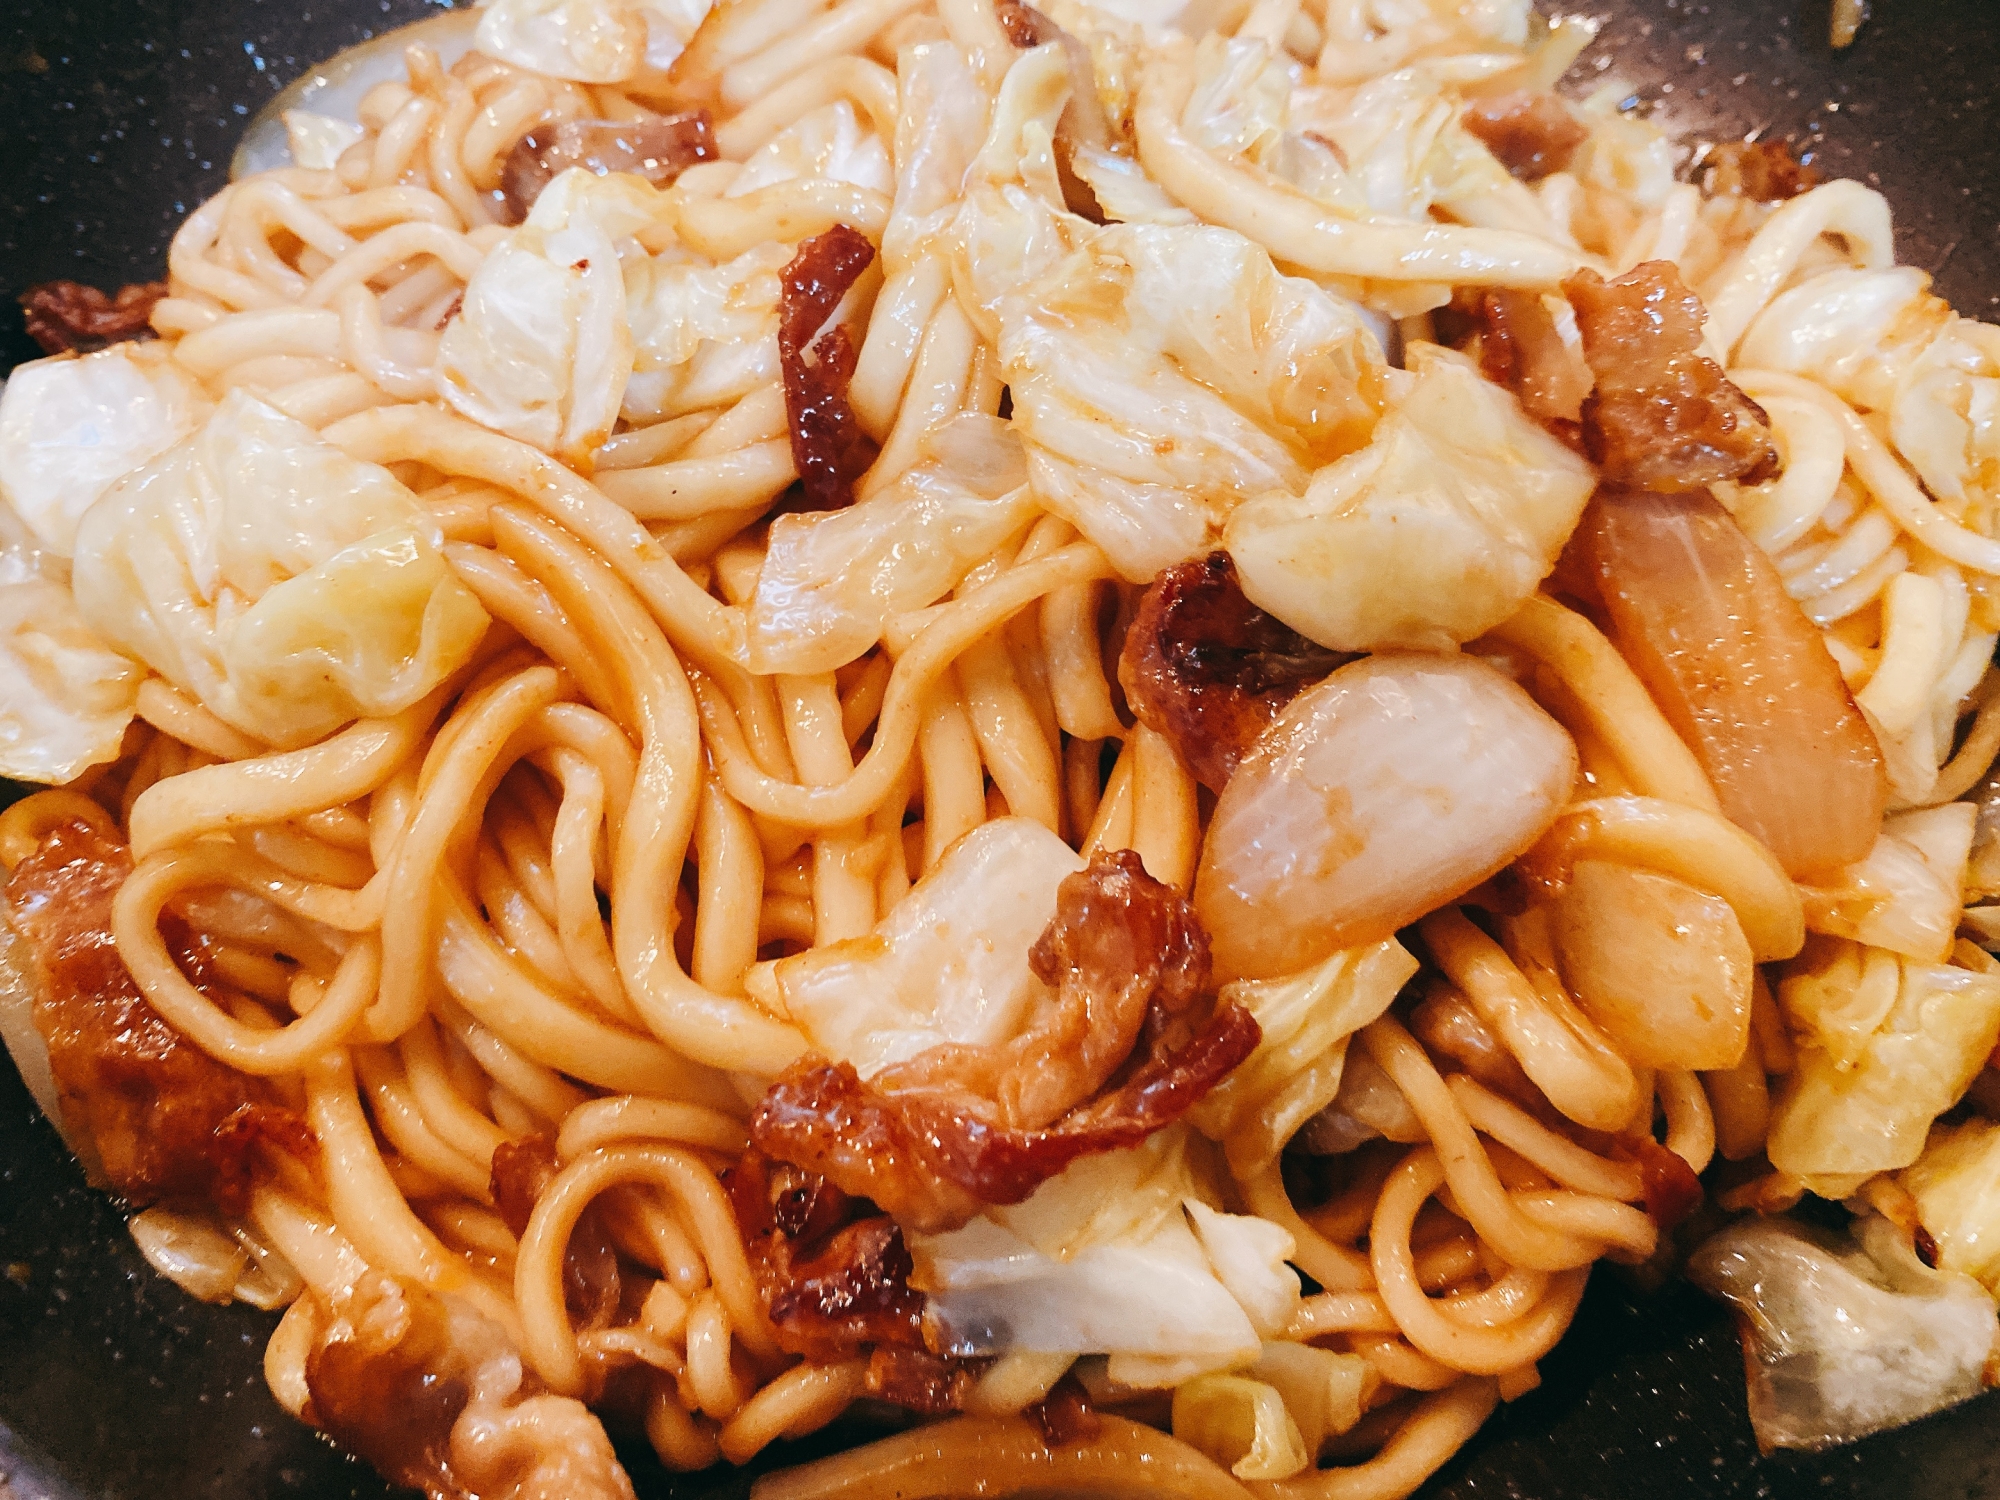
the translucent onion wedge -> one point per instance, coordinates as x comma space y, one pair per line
336, 87
1741, 673
1662, 967
1400, 782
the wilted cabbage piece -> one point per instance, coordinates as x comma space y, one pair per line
1853, 331
1103, 1259
1886, 1045
1240, 1423
71, 427
829, 143
1431, 535
1906, 895
1843, 1339
540, 349
1946, 419
588, 41
948, 963
65, 696
702, 334
287, 587
831, 580
1296, 1070
1270, 1420
1161, 375
1956, 1183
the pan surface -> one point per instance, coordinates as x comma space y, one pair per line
118, 116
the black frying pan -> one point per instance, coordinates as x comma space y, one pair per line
118, 116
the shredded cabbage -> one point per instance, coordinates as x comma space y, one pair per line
541, 348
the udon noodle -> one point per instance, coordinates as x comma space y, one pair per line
597, 680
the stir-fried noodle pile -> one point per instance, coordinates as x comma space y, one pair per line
1104, 735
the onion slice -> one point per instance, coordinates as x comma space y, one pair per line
1740, 672
1398, 783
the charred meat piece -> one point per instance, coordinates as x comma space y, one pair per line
1520, 348
1209, 670
829, 449
67, 315
521, 1171
658, 149
1531, 134
958, 1127
1671, 1188
833, 1270
1766, 171
163, 1119
919, 1381
1662, 417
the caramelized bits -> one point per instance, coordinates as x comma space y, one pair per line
1662, 417
1208, 669
829, 449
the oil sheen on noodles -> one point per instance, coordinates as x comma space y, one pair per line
1116, 724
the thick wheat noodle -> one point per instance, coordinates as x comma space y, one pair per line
1620, 711
712, 1378
135, 923
1560, 1157
1700, 848
1847, 209
1482, 1199
459, 776
449, 1113
1557, 1046
1783, 510
580, 926
368, 1208
1335, 1267
1340, 1312
936, 391
548, 1340
1010, 1456
396, 1113
1690, 1125
903, 310
843, 28
843, 897
651, 844
803, 1399
275, 787
1295, 228
954, 627
856, 79
1488, 1350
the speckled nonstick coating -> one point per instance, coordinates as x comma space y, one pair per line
117, 116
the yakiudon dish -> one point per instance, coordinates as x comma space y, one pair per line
1091, 734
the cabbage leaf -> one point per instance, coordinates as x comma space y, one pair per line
285, 586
